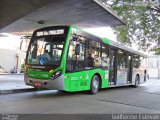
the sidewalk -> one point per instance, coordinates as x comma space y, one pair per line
12, 82
11, 73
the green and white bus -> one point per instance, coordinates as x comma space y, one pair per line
69, 59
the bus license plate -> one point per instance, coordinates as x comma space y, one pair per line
39, 84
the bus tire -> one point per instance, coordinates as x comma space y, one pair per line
137, 80
95, 83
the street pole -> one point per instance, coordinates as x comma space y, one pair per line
17, 57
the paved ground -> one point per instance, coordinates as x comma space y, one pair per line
10, 82
144, 99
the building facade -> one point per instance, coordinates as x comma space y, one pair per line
11, 61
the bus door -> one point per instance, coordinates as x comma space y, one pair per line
112, 67
75, 66
130, 68
122, 68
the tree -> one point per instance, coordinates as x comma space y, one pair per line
143, 23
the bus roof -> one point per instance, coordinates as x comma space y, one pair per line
105, 40
123, 47
116, 44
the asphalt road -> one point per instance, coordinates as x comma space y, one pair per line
144, 99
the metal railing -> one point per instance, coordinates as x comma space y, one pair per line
2, 70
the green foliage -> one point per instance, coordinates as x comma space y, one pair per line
143, 22
157, 51
22, 66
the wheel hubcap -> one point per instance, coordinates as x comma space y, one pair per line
95, 84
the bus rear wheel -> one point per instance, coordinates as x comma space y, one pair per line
94, 85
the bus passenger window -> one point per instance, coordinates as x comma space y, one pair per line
136, 61
105, 57
95, 49
90, 61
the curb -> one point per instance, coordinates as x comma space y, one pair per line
12, 74
18, 91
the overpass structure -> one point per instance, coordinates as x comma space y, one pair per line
23, 16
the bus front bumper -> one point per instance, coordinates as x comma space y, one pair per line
56, 84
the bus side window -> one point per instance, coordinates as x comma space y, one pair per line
95, 50
71, 57
136, 61
105, 57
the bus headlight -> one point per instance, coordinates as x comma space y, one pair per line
56, 74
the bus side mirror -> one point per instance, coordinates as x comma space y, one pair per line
77, 49
25, 43
21, 44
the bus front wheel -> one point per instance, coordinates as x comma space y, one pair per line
94, 85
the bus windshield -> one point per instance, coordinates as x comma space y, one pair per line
46, 50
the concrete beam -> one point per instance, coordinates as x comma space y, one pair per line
12, 10
81, 13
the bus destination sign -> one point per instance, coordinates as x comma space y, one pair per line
50, 32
